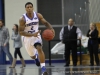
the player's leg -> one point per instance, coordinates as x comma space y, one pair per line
41, 57
35, 57
31, 51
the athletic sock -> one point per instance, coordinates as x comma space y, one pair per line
42, 65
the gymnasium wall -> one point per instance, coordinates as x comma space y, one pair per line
72, 7
13, 11
94, 10
53, 12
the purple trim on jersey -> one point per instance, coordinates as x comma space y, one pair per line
24, 18
30, 18
37, 16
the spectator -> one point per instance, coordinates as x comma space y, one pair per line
17, 45
4, 40
93, 44
68, 36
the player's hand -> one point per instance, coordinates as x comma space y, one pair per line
36, 34
53, 31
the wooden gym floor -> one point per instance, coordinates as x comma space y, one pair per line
58, 69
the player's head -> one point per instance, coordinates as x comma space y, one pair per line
1, 23
29, 7
15, 27
70, 22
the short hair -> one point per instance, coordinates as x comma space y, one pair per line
71, 19
1, 20
28, 4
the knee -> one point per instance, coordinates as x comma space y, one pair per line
39, 48
33, 57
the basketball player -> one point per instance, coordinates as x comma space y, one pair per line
29, 24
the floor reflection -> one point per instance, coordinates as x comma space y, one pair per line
13, 71
29, 70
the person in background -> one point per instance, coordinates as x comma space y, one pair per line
17, 45
93, 44
4, 40
69, 35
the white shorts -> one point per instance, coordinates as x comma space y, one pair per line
29, 44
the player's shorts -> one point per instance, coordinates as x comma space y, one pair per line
29, 44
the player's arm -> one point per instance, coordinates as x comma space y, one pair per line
46, 23
22, 27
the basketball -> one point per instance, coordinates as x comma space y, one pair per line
47, 35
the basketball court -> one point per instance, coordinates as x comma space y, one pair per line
57, 12
58, 69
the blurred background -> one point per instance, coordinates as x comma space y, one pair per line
57, 12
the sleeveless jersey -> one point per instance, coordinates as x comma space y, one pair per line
31, 25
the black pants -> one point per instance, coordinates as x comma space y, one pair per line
93, 50
17, 51
73, 47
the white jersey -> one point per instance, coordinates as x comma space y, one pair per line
32, 25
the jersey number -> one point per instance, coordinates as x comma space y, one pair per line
32, 27
32, 30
